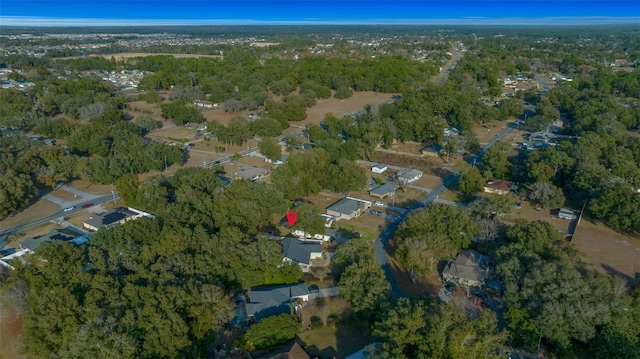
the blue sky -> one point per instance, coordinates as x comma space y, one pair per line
142, 12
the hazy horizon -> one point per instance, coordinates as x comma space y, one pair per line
66, 13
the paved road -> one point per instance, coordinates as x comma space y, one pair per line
55, 216
228, 158
450, 181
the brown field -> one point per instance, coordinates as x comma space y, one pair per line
92, 188
529, 213
65, 195
611, 252
488, 131
39, 209
632, 134
10, 330
339, 108
176, 132
428, 181
256, 162
127, 55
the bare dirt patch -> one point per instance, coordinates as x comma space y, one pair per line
486, 132
10, 330
342, 107
611, 252
256, 161
428, 181
39, 209
65, 195
176, 133
126, 55
93, 188
529, 213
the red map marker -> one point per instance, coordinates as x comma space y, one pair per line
291, 217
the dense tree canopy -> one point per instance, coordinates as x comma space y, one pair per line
431, 235
426, 330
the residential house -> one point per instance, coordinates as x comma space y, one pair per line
289, 351
409, 176
251, 174
266, 302
379, 168
451, 132
301, 252
63, 234
4, 261
565, 213
469, 269
499, 187
431, 151
113, 217
384, 190
348, 208
280, 161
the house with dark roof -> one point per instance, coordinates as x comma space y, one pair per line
301, 252
384, 190
265, 302
431, 151
348, 208
64, 234
469, 269
110, 218
499, 187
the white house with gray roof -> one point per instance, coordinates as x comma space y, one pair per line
265, 302
301, 252
348, 208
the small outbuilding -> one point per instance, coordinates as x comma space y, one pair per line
379, 168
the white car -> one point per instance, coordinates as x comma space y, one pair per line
379, 204
69, 209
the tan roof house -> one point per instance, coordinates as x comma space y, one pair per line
499, 187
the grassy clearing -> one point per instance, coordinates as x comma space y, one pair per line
41, 208
339, 340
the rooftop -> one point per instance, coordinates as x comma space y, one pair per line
266, 302
500, 185
346, 206
299, 251
384, 189
113, 216
54, 235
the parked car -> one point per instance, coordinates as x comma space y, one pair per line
87, 205
377, 213
69, 209
314, 288
379, 204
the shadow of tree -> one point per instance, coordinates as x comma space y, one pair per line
628, 280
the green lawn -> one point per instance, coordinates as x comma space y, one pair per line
339, 340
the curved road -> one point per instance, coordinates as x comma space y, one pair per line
382, 241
